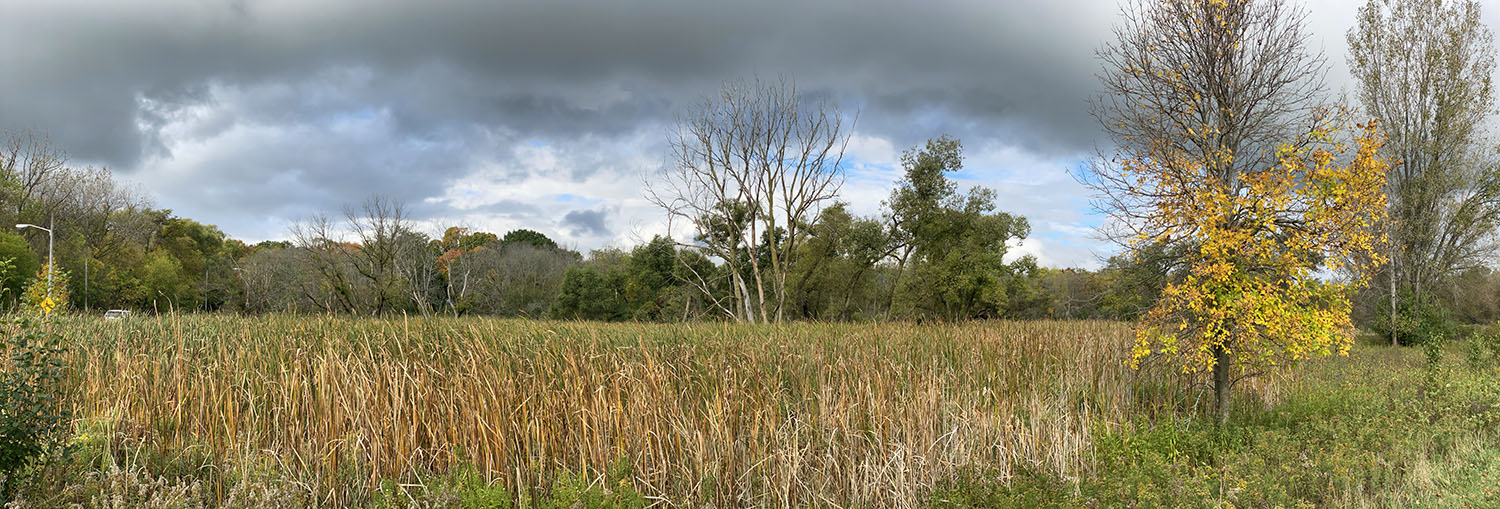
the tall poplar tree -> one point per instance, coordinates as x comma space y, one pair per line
1424, 70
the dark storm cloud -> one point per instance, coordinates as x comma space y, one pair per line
82, 71
279, 108
586, 222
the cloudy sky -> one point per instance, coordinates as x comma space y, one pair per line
546, 114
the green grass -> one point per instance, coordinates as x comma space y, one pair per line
1378, 428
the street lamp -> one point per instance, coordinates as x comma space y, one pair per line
50, 266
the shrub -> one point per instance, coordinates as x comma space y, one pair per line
1491, 339
34, 415
1432, 349
1418, 317
1476, 349
41, 289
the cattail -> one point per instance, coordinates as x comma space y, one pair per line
726, 415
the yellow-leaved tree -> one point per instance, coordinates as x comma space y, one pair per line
37, 293
1248, 292
1270, 200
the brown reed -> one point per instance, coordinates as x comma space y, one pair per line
707, 413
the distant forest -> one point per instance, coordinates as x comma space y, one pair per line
935, 252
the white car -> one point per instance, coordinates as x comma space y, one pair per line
116, 314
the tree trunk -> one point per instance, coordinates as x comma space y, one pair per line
849, 292
1221, 382
745, 302
896, 283
1393, 299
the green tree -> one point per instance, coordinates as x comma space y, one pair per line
961, 271
1424, 69
115, 278
916, 204
530, 237
594, 290
163, 282
24, 263
953, 243
197, 248
649, 276
835, 271
1133, 280
650, 283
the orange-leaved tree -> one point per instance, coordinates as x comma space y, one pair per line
1225, 154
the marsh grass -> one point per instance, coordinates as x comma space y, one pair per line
729, 415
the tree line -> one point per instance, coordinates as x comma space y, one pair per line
934, 252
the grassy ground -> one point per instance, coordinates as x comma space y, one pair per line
1379, 428
298, 411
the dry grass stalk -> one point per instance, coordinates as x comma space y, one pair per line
862, 415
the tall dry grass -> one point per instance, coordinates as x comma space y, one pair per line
732, 415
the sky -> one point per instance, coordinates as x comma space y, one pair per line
549, 115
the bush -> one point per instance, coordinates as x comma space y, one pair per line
1434, 375
1491, 338
1028, 487
42, 289
616, 492
32, 401
1418, 317
1476, 349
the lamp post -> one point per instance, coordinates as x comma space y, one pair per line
50, 266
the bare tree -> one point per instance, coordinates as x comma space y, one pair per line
32, 162
377, 225
516, 280
385, 267
98, 199
1224, 91
279, 280
456, 286
417, 269
327, 258
752, 168
1424, 69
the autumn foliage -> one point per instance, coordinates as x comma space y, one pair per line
1250, 280
1267, 201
